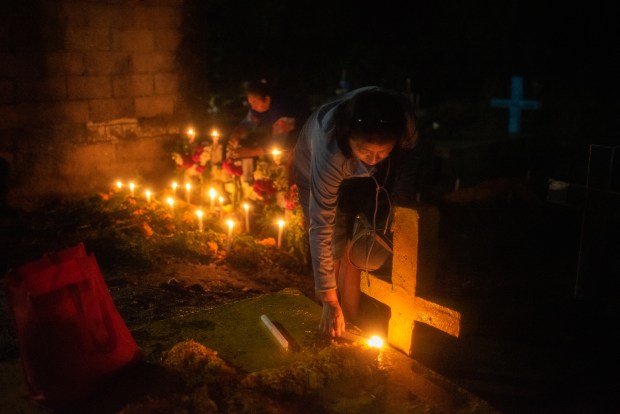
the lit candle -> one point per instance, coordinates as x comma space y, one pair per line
170, 202
280, 227
221, 199
230, 224
246, 208
277, 155
375, 342
147, 193
214, 137
132, 186
188, 191
191, 135
119, 185
174, 188
199, 214
212, 195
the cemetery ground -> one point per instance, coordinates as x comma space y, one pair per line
507, 261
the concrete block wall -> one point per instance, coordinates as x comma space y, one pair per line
66, 65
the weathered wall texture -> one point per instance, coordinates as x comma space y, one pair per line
88, 92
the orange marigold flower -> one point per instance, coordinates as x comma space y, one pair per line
148, 231
269, 241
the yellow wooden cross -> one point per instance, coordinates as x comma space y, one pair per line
400, 295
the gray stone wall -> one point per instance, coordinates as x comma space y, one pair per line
89, 92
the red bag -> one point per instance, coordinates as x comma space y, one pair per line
70, 334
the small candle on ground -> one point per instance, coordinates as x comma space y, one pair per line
231, 224
188, 192
246, 209
132, 187
277, 156
280, 227
147, 194
199, 214
170, 202
212, 195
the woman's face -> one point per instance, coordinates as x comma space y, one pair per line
258, 103
371, 153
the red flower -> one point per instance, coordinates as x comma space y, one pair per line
197, 152
187, 162
231, 168
264, 188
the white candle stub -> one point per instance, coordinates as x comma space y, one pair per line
275, 331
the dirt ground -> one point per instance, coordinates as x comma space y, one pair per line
508, 264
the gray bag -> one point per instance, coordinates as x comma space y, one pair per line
369, 250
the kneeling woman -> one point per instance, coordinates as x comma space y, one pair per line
355, 154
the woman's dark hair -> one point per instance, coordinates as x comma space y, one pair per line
377, 116
259, 87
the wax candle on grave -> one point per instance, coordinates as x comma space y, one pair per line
170, 202
277, 155
119, 185
174, 188
216, 148
280, 227
230, 224
212, 195
199, 214
246, 209
188, 192
214, 137
132, 187
147, 193
191, 135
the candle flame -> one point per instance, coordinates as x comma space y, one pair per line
246, 206
174, 185
230, 223
190, 131
188, 186
214, 133
212, 193
119, 184
170, 201
375, 342
199, 213
281, 223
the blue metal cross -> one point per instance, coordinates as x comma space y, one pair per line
515, 105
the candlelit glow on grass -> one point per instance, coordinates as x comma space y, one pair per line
375, 342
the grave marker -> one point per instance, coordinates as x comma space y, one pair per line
400, 295
515, 105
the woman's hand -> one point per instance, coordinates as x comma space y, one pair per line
332, 319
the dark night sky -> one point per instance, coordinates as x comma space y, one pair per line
448, 49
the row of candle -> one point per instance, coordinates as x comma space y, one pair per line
200, 214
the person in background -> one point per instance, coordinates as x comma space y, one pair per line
357, 153
272, 122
